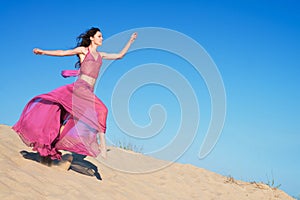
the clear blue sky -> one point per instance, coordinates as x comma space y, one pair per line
255, 45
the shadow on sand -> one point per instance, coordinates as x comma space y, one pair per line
78, 164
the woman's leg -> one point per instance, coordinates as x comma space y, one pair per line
61, 129
102, 145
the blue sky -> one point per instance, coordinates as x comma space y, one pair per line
255, 45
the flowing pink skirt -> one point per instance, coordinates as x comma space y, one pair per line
76, 107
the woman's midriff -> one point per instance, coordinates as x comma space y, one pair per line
88, 79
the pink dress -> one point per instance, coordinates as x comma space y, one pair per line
75, 106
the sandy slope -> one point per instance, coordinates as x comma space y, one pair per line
25, 178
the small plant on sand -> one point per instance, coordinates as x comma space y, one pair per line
297, 198
129, 146
271, 183
268, 184
230, 179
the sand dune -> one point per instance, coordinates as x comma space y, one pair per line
25, 178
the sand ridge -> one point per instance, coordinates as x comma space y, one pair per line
25, 178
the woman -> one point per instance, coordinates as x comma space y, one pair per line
70, 117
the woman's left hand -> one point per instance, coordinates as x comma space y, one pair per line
133, 36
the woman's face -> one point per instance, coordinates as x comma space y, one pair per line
97, 38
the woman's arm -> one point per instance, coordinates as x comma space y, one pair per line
115, 56
70, 52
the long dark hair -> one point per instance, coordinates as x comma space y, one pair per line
83, 40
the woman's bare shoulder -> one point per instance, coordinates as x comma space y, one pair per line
81, 50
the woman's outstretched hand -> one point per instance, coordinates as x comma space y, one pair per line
133, 37
38, 51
